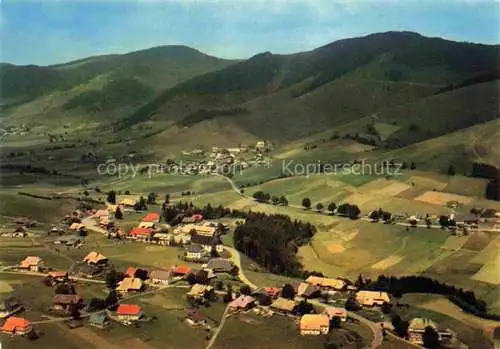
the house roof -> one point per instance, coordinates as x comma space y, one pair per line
127, 202
335, 311
159, 274
13, 322
151, 217
31, 260
141, 231
130, 271
272, 291
466, 218
220, 264
181, 269
57, 274
199, 289
197, 217
128, 309
76, 226
314, 321
305, 289
66, 299
188, 220
194, 249
284, 304
195, 315
94, 257
129, 283
373, 295
200, 229
241, 302
206, 240
326, 282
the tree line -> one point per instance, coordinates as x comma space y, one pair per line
273, 241
397, 286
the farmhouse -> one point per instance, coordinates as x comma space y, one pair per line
129, 312
194, 252
163, 238
195, 317
32, 263
95, 258
207, 242
272, 292
76, 226
180, 270
283, 305
130, 284
63, 302
220, 265
153, 217
127, 202
371, 298
198, 291
417, 327
68, 240
101, 213
99, 320
314, 324
326, 283
17, 326
9, 306
159, 277
141, 234
242, 303
306, 290
467, 219
58, 276
332, 312
198, 229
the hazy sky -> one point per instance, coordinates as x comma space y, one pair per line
48, 32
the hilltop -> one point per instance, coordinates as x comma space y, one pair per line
386, 90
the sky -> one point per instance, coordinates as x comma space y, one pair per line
54, 31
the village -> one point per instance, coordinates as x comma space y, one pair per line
318, 305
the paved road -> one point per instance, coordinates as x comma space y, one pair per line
33, 273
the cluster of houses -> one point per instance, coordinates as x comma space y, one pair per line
217, 159
22, 229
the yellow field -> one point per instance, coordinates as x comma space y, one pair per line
490, 272
440, 198
489, 253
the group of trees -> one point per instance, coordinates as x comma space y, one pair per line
380, 214
346, 209
174, 214
273, 241
261, 196
420, 284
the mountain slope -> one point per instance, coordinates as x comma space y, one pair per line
391, 57
149, 71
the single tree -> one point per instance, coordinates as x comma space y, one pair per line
275, 200
245, 290
288, 291
111, 197
335, 322
332, 207
306, 203
319, 207
413, 166
451, 170
283, 201
430, 338
118, 213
